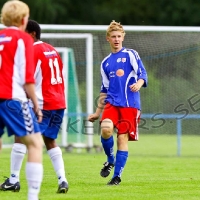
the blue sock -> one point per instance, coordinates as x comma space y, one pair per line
108, 148
121, 158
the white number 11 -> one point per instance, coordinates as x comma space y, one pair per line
55, 79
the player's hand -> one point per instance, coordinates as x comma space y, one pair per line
39, 114
135, 87
93, 117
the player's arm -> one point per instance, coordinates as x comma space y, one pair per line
30, 90
141, 75
99, 109
136, 86
29, 82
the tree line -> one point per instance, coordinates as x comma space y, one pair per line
128, 12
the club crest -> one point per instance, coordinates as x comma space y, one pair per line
123, 60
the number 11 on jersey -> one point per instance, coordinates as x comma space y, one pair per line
55, 79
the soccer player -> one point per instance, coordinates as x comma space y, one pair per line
123, 74
17, 76
50, 92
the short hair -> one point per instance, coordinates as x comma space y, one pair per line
115, 26
33, 26
13, 12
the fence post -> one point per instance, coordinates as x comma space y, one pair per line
179, 134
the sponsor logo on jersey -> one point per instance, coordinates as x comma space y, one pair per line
112, 74
119, 60
4, 39
120, 72
50, 53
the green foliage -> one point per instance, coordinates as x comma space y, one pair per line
129, 12
179, 94
47, 11
151, 94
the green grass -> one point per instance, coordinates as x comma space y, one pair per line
153, 172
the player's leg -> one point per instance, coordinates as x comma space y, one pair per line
55, 154
16, 159
24, 126
17, 155
50, 130
121, 158
34, 167
107, 126
107, 142
128, 125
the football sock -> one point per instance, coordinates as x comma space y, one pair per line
34, 176
121, 158
108, 148
17, 155
58, 164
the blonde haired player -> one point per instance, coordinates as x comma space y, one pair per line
123, 74
45, 56
17, 76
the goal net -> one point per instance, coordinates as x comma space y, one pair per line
76, 131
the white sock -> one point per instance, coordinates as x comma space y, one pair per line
17, 155
58, 164
34, 176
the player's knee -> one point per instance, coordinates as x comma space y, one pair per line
49, 143
19, 148
35, 141
106, 128
106, 131
39, 140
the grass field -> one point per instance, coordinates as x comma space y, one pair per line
153, 172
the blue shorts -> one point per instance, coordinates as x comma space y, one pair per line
18, 118
52, 120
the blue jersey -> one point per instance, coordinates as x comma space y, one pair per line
119, 71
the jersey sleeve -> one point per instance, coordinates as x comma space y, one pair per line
142, 74
104, 80
138, 67
29, 60
37, 60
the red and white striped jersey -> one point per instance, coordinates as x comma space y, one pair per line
16, 63
49, 73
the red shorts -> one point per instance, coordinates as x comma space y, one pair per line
125, 119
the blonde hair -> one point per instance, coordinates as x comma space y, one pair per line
13, 12
115, 26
